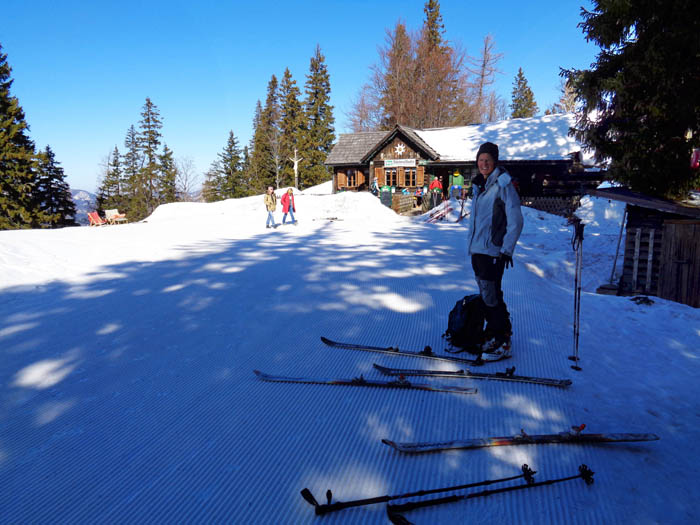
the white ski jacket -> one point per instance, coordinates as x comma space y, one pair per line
495, 221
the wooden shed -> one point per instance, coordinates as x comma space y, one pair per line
662, 247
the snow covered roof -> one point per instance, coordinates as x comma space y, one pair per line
544, 138
536, 138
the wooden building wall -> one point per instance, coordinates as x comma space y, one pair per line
642, 255
680, 262
662, 256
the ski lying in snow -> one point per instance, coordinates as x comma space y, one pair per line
427, 352
575, 437
399, 383
508, 375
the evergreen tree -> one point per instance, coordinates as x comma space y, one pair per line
247, 172
211, 188
54, 193
135, 187
523, 103
434, 28
233, 183
320, 122
19, 207
292, 127
167, 176
111, 192
266, 141
148, 142
640, 104
225, 177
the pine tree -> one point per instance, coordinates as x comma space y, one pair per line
320, 122
135, 186
148, 142
292, 127
211, 187
434, 28
54, 192
247, 172
523, 103
111, 192
167, 176
266, 141
640, 104
19, 207
229, 166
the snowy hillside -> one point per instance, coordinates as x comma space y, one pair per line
127, 391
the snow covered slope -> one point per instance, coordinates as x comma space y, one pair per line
127, 391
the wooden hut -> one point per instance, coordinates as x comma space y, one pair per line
548, 165
662, 247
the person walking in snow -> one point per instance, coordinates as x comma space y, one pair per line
288, 206
495, 224
271, 206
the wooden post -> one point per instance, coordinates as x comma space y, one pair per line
635, 267
650, 261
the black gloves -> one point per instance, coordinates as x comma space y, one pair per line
507, 259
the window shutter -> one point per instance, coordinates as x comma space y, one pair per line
379, 173
420, 176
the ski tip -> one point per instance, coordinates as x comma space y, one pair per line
325, 340
258, 373
381, 368
390, 443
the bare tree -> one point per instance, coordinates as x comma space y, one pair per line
497, 108
187, 180
567, 100
364, 114
484, 72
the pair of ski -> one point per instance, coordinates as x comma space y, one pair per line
527, 475
402, 383
575, 436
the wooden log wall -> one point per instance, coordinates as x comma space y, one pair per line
401, 203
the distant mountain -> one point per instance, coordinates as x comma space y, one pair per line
84, 203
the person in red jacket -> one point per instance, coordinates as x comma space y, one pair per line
436, 191
288, 206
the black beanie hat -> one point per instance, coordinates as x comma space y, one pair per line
490, 148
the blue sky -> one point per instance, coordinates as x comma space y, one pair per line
82, 71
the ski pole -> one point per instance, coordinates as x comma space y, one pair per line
320, 509
584, 473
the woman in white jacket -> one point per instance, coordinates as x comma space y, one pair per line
495, 225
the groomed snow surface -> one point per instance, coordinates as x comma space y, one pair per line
127, 392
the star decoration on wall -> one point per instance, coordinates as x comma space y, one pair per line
399, 149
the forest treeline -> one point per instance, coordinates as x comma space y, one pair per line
289, 130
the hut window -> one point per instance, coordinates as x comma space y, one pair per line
391, 177
352, 180
410, 177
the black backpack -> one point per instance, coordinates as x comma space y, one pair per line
465, 325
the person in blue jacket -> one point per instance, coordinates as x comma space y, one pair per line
495, 224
